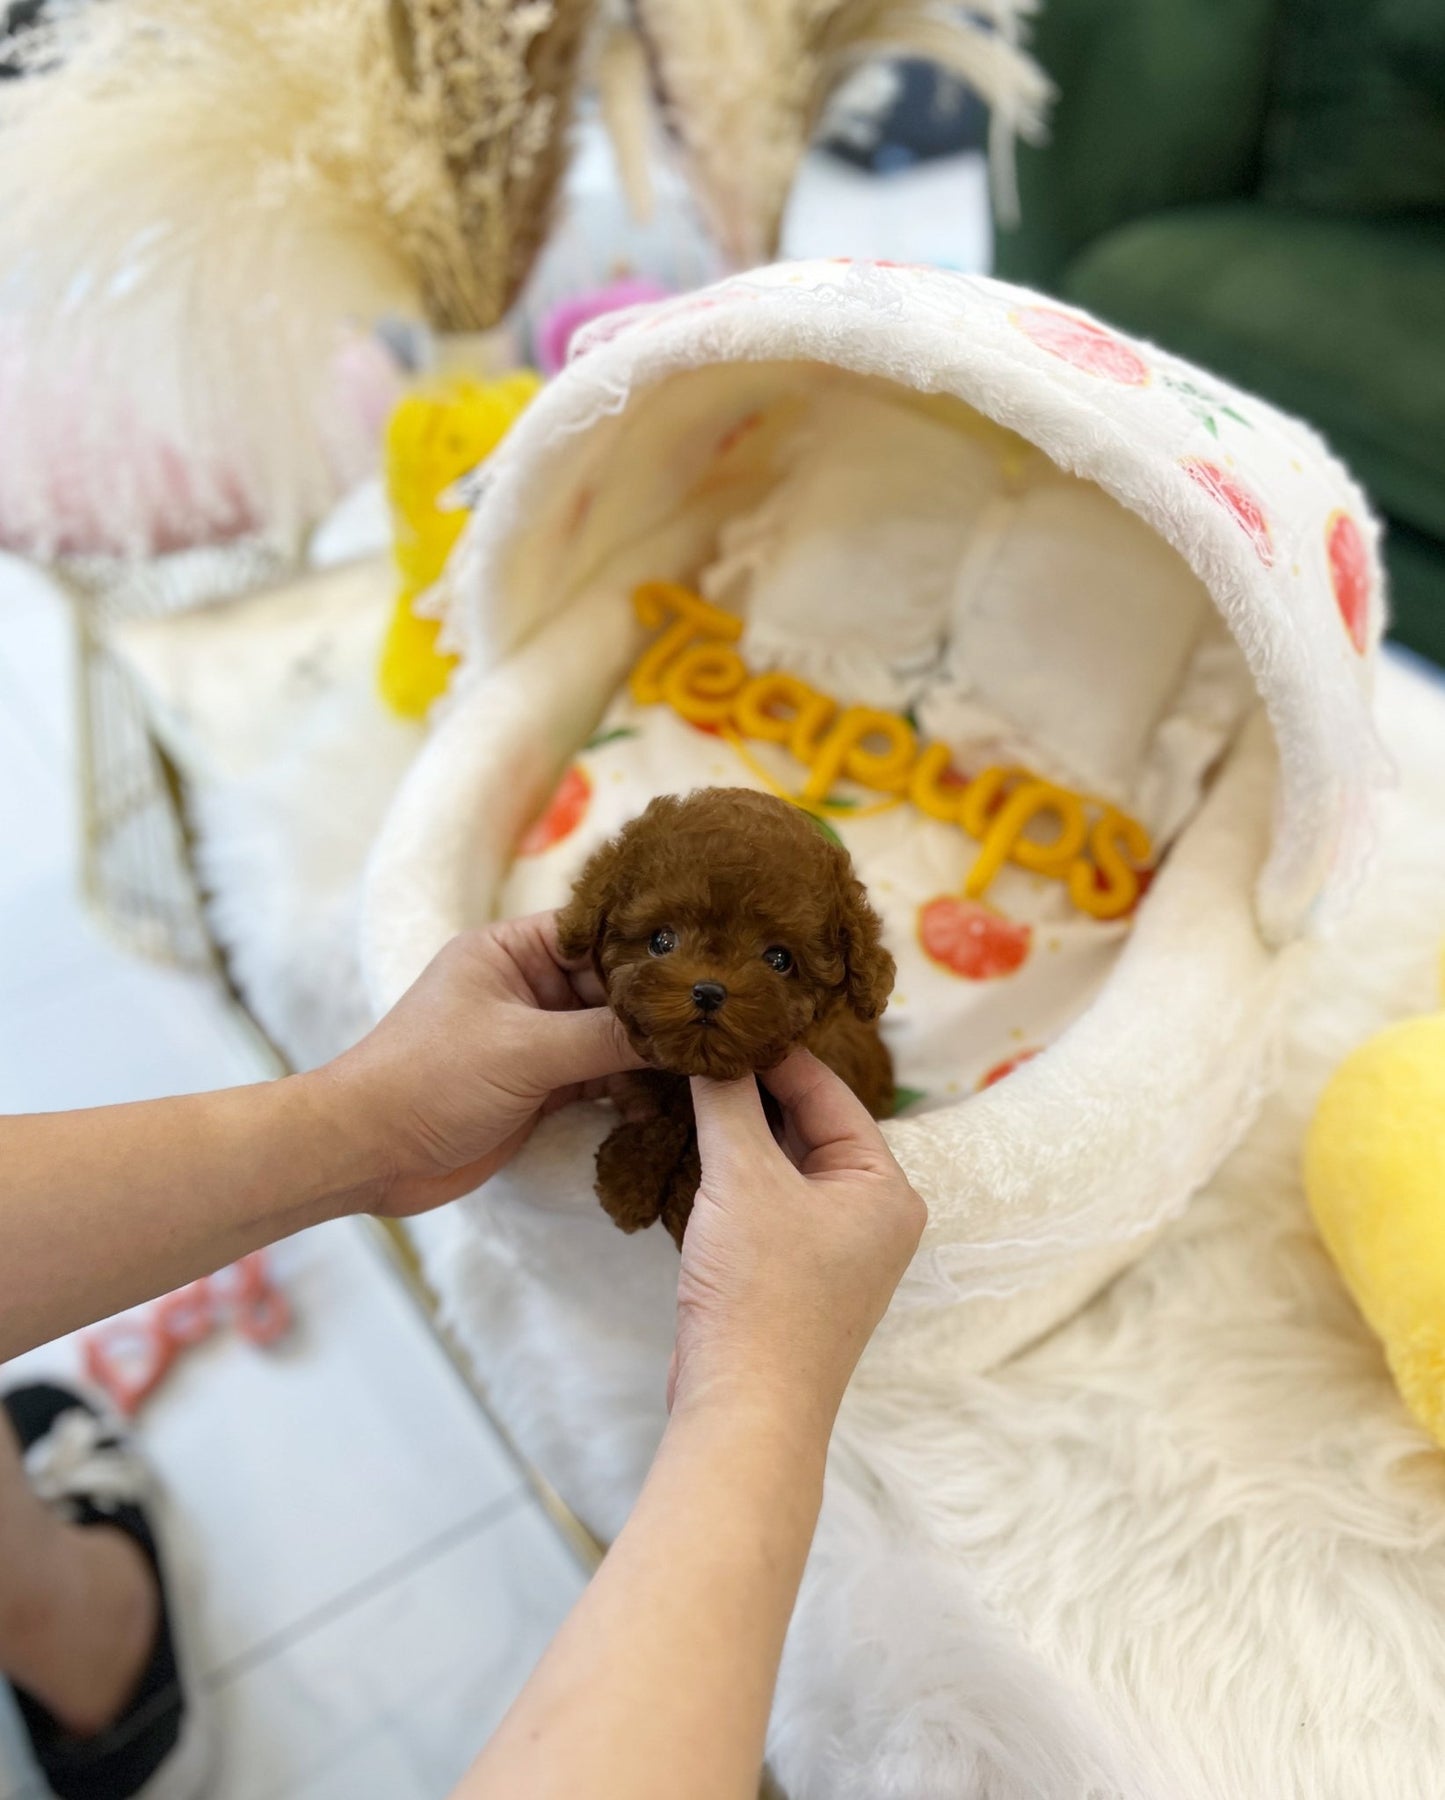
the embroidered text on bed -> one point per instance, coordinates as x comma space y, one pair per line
1098, 852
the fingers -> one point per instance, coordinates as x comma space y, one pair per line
529, 945
730, 1117
820, 1107
574, 1047
587, 986
545, 926
557, 981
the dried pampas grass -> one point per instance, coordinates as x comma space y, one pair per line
198, 197
488, 89
742, 84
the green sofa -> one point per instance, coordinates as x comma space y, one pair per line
1260, 186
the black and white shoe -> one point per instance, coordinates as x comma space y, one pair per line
82, 1466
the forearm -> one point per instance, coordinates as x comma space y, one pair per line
108, 1207
660, 1682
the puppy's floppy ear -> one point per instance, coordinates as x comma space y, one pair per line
868, 967
583, 920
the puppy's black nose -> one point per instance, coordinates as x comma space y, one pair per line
709, 996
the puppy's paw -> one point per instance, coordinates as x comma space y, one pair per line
635, 1166
642, 1096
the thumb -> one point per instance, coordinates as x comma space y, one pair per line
571, 1047
730, 1117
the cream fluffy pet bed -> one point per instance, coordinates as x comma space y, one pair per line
1093, 550
961, 1630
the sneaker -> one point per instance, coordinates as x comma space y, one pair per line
83, 1467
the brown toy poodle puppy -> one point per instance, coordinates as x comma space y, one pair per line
726, 928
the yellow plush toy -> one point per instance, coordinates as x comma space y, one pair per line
435, 436
1375, 1176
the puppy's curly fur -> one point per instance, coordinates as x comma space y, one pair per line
726, 928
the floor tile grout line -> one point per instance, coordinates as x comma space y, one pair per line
369, 1587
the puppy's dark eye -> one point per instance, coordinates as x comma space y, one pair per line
662, 942
776, 957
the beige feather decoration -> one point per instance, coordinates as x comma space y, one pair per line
742, 83
198, 197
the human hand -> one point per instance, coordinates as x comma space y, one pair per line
792, 1253
498, 1029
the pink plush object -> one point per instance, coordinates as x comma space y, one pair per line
557, 325
93, 464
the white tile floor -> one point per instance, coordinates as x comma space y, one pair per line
370, 1581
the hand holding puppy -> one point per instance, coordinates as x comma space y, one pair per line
499, 1029
793, 1252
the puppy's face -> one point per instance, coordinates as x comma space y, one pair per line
724, 925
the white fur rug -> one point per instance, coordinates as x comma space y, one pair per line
1189, 1546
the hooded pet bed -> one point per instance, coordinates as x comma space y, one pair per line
1078, 554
